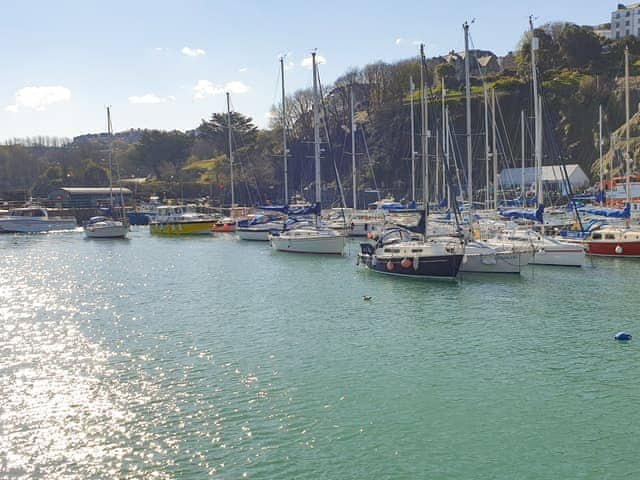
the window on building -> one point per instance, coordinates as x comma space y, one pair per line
617, 24
617, 35
626, 23
627, 34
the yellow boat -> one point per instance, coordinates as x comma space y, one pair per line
181, 220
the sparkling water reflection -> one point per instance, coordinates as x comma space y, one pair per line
187, 358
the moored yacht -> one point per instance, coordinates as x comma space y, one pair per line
34, 220
104, 227
315, 238
181, 220
544, 250
480, 257
107, 227
613, 242
308, 239
398, 252
258, 227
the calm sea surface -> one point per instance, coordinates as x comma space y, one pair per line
196, 357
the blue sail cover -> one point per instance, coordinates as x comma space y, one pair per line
519, 202
513, 214
314, 209
609, 212
273, 208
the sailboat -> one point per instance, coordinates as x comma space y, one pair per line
314, 238
260, 226
102, 226
402, 251
614, 241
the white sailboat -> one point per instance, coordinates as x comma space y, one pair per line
259, 227
101, 226
316, 238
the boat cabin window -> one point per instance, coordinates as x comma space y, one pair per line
596, 236
395, 236
610, 236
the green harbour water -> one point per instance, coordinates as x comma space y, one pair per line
214, 358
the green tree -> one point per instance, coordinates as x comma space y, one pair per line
447, 72
162, 153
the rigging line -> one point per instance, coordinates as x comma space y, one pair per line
326, 131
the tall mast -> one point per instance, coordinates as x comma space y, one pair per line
626, 106
353, 149
446, 168
494, 149
413, 143
436, 181
316, 130
468, 95
600, 152
233, 196
110, 133
486, 145
522, 152
539, 159
536, 109
444, 136
284, 136
425, 129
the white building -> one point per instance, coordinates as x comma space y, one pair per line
552, 178
625, 21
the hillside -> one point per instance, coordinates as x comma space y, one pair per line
578, 71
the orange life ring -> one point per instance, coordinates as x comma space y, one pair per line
389, 265
406, 263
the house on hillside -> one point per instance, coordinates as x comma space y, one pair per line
480, 61
508, 63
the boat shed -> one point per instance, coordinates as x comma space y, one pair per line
552, 178
89, 197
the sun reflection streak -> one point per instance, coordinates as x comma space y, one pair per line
64, 411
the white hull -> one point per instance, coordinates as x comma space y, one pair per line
36, 225
558, 257
106, 231
544, 250
253, 235
310, 244
500, 262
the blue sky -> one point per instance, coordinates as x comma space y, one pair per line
166, 64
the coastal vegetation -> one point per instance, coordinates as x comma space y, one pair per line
579, 71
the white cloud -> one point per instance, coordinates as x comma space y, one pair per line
399, 40
206, 88
307, 62
192, 52
160, 49
150, 98
38, 98
243, 69
236, 87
